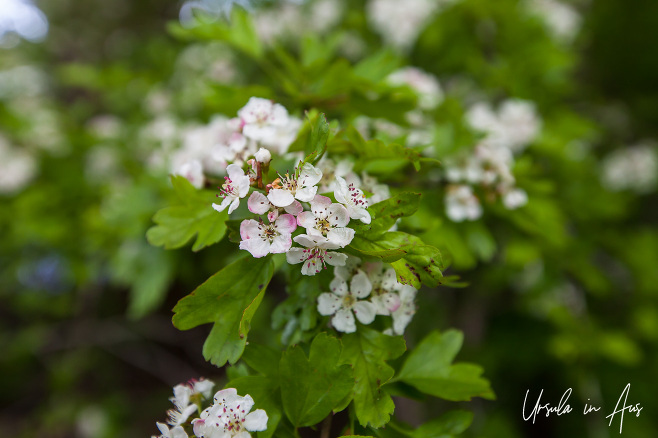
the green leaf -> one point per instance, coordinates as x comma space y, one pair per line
429, 369
191, 214
448, 425
414, 262
367, 351
228, 299
311, 388
376, 150
262, 359
239, 32
377, 66
385, 213
266, 394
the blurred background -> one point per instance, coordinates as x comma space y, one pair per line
95, 96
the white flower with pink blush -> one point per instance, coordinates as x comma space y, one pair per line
327, 219
261, 239
315, 254
353, 199
301, 185
261, 118
259, 204
235, 188
345, 303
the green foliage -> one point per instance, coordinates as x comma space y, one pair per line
228, 299
367, 351
312, 387
190, 214
429, 369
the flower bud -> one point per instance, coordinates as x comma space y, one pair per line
263, 156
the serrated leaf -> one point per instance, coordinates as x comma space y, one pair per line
190, 215
311, 388
367, 351
228, 299
429, 369
414, 262
262, 359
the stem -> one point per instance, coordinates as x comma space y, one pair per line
326, 427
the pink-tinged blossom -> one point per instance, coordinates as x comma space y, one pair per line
235, 187
346, 303
261, 239
353, 199
403, 315
230, 417
301, 186
259, 204
315, 254
327, 219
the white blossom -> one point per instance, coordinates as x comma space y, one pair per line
192, 171
380, 191
315, 254
327, 219
346, 303
269, 124
400, 22
403, 315
331, 169
515, 198
353, 199
229, 417
462, 204
301, 185
384, 284
632, 168
235, 188
17, 167
176, 432
263, 156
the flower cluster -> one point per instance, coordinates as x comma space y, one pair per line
207, 149
507, 131
291, 200
228, 416
632, 168
364, 290
561, 19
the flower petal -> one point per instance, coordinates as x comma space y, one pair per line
328, 304
341, 192
250, 229
256, 421
295, 208
295, 255
343, 321
364, 312
281, 244
306, 219
338, 215
360, 285
306, 194
258, 203
234, 172
286, 224
257, 247
338, 286
309, 176
280, 197
312, 266
341, 236
335, 258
